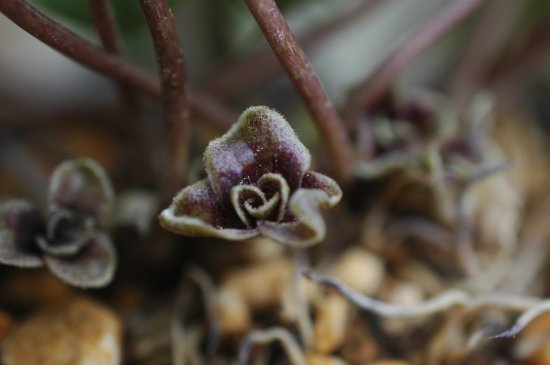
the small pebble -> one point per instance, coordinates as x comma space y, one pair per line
330, 324
260, 285
359, 269
533, 343
80, 332
233, 314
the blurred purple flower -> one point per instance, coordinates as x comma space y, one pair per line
70, 241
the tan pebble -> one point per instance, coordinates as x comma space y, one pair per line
232, 313
532, 343
80, 332
260, 285
360, 270
330, 324
539, 324
261, 249
541, 356
320, 359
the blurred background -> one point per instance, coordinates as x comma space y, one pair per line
52, 109
501, 46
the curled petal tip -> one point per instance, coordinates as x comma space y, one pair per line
82, 185
93, 267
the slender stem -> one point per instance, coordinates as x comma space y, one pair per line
242, 77
103, 18
303, 316
174, 89
379, 84
303, 77
71, 45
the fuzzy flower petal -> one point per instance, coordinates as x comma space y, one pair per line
20, 221
92, 267
260, 142
83, 186
315, 180
195, 211
308, 227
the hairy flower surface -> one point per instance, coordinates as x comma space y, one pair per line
70, 241
257, 183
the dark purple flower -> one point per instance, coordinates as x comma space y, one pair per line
398, 134
257, 183
70, 241
424, 134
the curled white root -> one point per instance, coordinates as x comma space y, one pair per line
531, 306
293, 351
527, 317
207, 289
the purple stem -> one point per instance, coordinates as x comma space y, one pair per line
71, 45
378, 86
174, 90
303, 77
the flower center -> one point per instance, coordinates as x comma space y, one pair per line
266, 200
66, 233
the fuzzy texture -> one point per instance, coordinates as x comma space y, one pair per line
257, 183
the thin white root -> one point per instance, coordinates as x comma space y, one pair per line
261, 337
531, 306
177, 328
527, 317
303, 319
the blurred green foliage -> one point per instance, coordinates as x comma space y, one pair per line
128, 12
